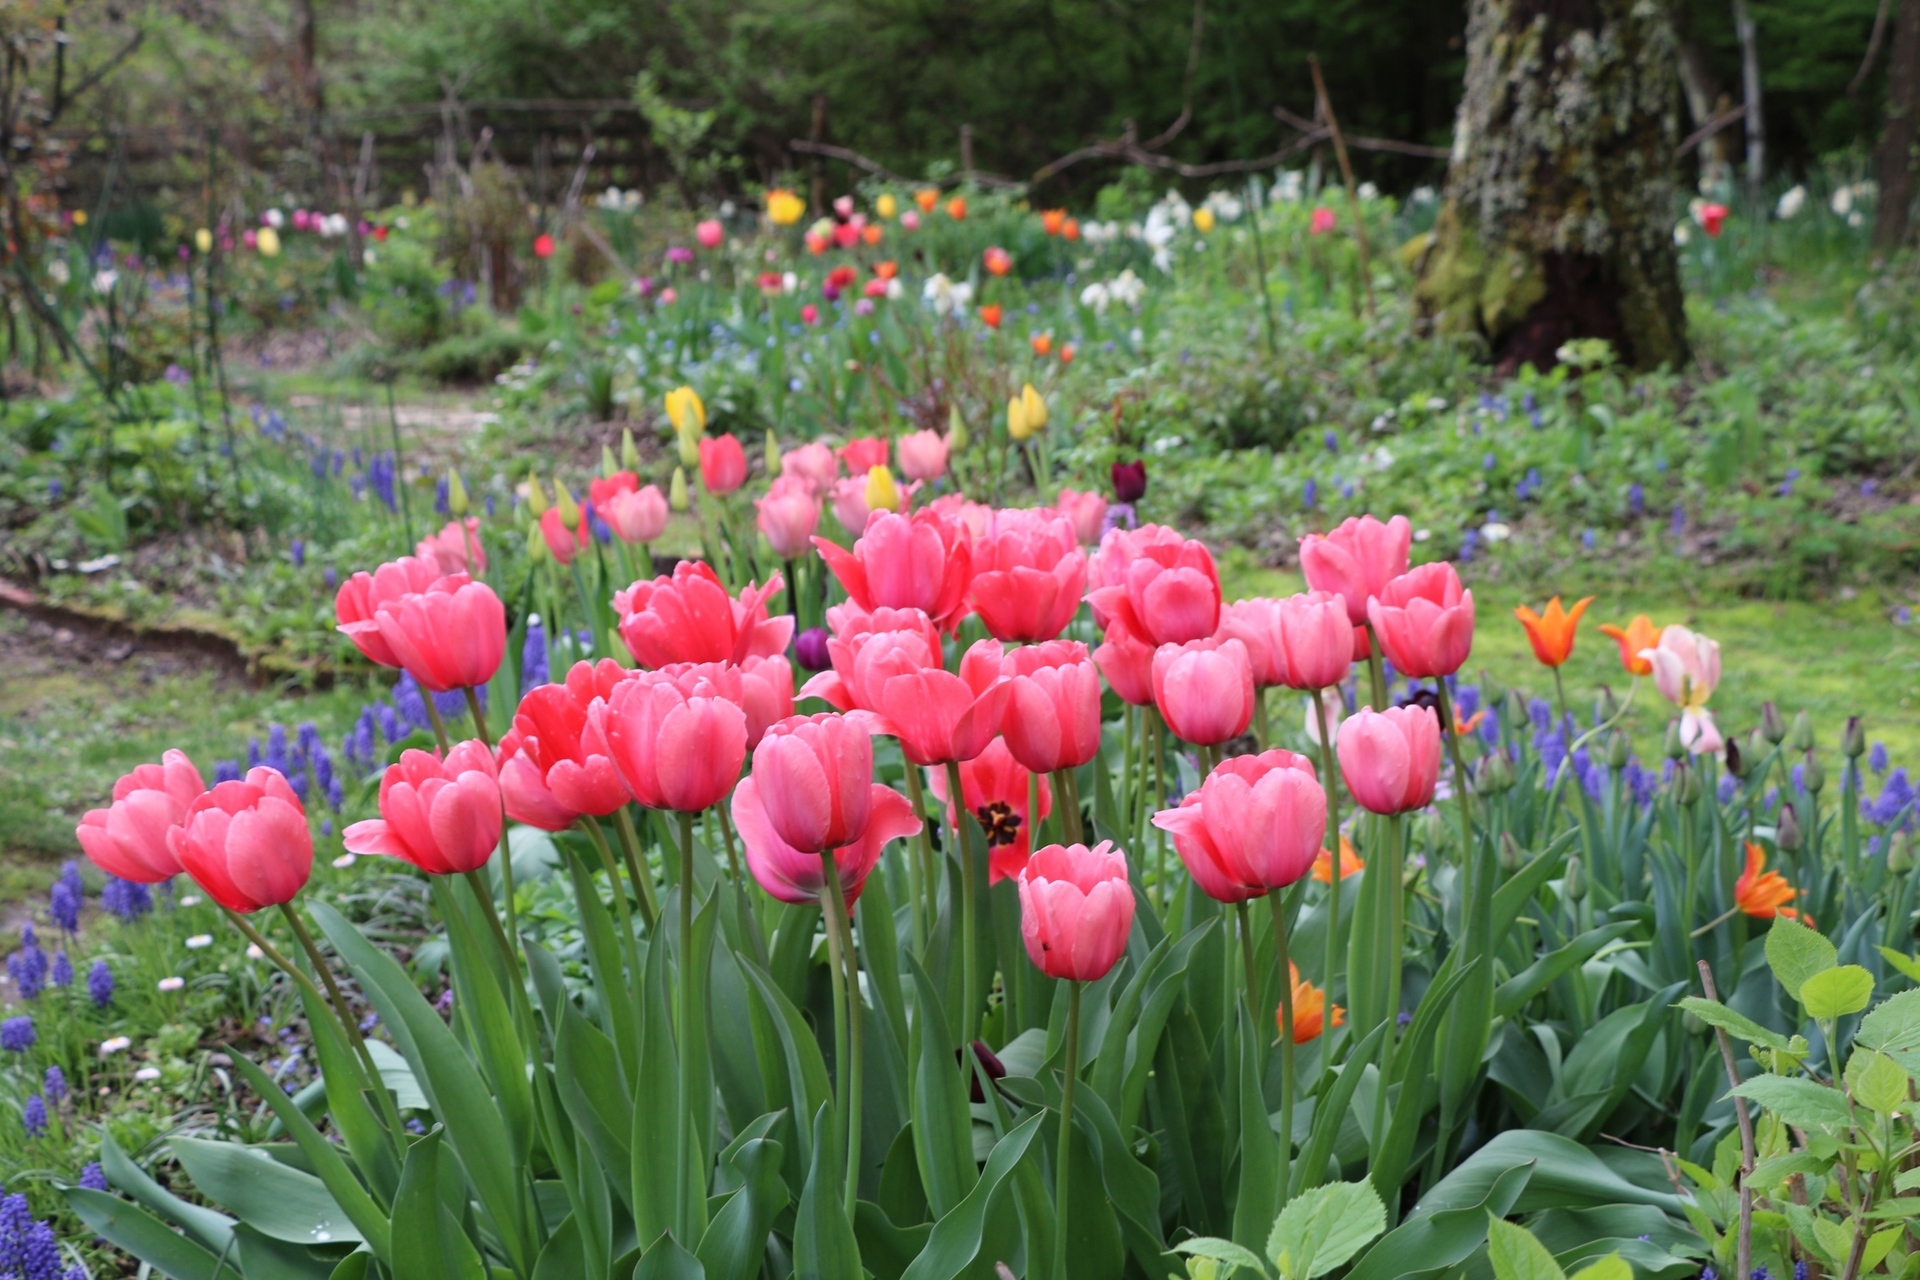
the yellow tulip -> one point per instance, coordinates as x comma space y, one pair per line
536, 496
79, 217
629, 453
686, 412
882, 494
569, 509
203, 240
456, 494
677, 491
886, 206
784, 208
1203, 220
1036, 407
268, 242
1017, 419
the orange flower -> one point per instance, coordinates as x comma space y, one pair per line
1309, 1009
1639, 635
1350, 863
887, 269
957, 208
1066, 354
1053, 220
1472, 722
990, 314
926, 198
1552, 631
1763, 894
997, 260
870, 233
1042, 343
1071, 230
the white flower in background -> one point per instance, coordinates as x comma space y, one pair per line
941, 292
1683, 231
1495, 531
1176, 207
344, 861
1095, 232
1421, 535
147, 1074
1792, 201
172, 984
191, 900
1127, 288
1423, 195
1097, 296
199, 940
118, 1044
58, 271
1368, 191
895, 290
1846, 199
613, 198
254, 952
274, 218
1289, 187
103, 281
1225, 206
789, 282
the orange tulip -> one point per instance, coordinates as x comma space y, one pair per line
870, 234
886, 270
1552, 631
1071, 230
1066, 354
957, 208
997, 260
1638, 636
1309, 1009
926, 198
1350, 863
1042, 343
1763, 894
1053, 220
990, 314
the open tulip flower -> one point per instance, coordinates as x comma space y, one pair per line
788, 515
1310, 1009
1053, 707
939, 717
1127, 663
1204, 690
689, 617
635, 514
129, 838
443, 816
361, 596
246, 842
813, 464
795, 876
556, 765
1551, 631
1357, 559
1390, 760
1686, 670
1254, 824
1086, 512
1029, 575
846, 686
1076, 910
456, 548
676, 740
994, 789
448, 634
1163, 586
923, 561
1424, 619
1634, 640
1763, 894
1302, 642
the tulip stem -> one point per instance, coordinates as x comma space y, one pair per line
1378, 677
433, 716
1287, 1086
1246, 950
1330, 783
484, 891
1263, 734
1064, 1156
748, 925
846, 991
1449, 729
684, 1033
478, 712
299, 927
642, 883
1559, 687
1156, 731
1069, 800
625, 913
969, 944
920, 867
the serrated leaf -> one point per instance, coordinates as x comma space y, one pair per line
1893, 1024
1224, 1251
1835, 993
1324, 1228
1611, 1267
1734, 1023
1517, 1255
1772, 1172
1879, 1244
1908, 1181
1798, 1102
1795, 953
1877, 1081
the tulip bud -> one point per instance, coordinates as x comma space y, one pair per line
1853, 739
1801, 737
1511, 859
1575, 882
1017, 419
1036, 407
677, 491
1900, 853
456, 494
1686, 784
1619, 750
1433, 828
537, 545
1737, 759
607, 465
1674, 750
569, 509
1516, 713
1813, 774
882, 494
1494, 775
536, 496
956, 430
1786, 832
773, 454
1606, 706
1695, 1025
629, 453
689, 448
1771, 725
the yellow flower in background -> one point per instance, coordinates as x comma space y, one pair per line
536, 496
268, 242
1203, 220
203, 240
79, 217
785, 208
456, 494
677, 491
1026, 414
882, 493
886, 206
686, 412
1017, 419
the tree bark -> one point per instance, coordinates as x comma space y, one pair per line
1893, 157
1755, 123
1558, 218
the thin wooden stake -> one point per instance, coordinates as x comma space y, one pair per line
1346, 173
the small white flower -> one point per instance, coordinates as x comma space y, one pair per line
1683, 231
344, 861
1842, 201
147, 1074
172, 984
1225, 206
1792, 200
1421, 535
254, 952
103, 281
1335, 707
1097, 296
275, 219
1422, 195
191, 900
58, 271
895, 290
1495, 531
118, 1044
789, 282
199, 940
1367, 191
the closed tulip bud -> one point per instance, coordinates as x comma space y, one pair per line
536, 496
956, 430
1492, 776
1575, 882
689, 448
1516, 712
1813, 773
1511, 857
1737, 760
607, 465
1787, 829
629, 452
1694, 1024
1017, 425
537, 545
677, 492
1771, 725
568, 508
773, 454
1900, 853
882, 493
1672, 747
1686, 784
456, 494
1619, 750
1800, 738
1853, 739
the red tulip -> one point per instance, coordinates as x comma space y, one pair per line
543, 245
1053, 709
1163, 586
689, 617
677, 741
1204, 690
1086, 512
723, 463
1129, 478
1390, 759
996, 260
788, 515
1076, 910
1322, 222
938, 717
1029, 574
923, 454
792, 875
923, 561
1356, 560
1302, 642
361, 595
128, 839
456, 548
990, 315
1127, 662
562, 542
443, 816
449, 634
246, 842
559, 763
815, 466
993, 787
1425, 621
863, 453
1256, 823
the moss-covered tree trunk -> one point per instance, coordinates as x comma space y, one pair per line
1558, 219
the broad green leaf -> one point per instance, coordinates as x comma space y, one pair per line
1434, 1241
1893, 1024
1731, 1021
942, 1128
824, 1247
1909, 965
129, 1227
210, 1227
261, 1255
1260, 1190
352, 1267
1796, 953
1772, 1172
426, 1239
1879, 1245
887, 1250
564, 1256
1798, 1102
955, 1241
665, 1259
1877, 1081
1324, 1228
1908, 1181
397, 1076
275, 1199
1331, 1114
1565, 1175
735, 1244
1835, 993
1516, 1255
1513, 994
1611, 1267
1225, 1252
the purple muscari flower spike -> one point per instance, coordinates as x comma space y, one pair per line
1637, 498
534, 670
1541, 712
227, 771
1728, 785
64, 906
1877, 758
276, 755
28, 966
100, 984
55, 1084
254, 757
61, 974
28, 1250
93, 1177
1309, 494
127, 899
1677, 525
297, 551
441, 501
34, 1116
18, 1034
1490, 727
391, 727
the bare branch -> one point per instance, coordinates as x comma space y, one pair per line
1711, 127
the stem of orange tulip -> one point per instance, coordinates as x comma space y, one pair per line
1330, 783
1560, 688
969, 944
1279, 910
1065, 1158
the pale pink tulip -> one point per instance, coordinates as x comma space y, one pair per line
443, 816
1204, 690
1390, 759
1254, 824
1425, 621
1356, 560
1076, 910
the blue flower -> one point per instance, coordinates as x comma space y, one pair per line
64, 906
126, 899
1877, 758
93, 1177
55, 1084
28, 1250
18, 1034
1587, 539
227, 771
34, 1116
1677, 525
1309, 494
1637, 498
100, 984
533, 656
28, 966
61, 974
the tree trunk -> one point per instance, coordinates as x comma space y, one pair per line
1558, 219
1754, 125
1893, 158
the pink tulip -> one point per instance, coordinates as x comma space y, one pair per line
456, 548
850, 504
1204, 690
559, 763
1686, 670
723, 464
128, 839
246, 842
814, 775
938, 717
1053, 709
788, 515
443, 816
1323, 221
1356, 560
923, 454
809, 314
709, 233
791, 875
923, 561
1029, 574
766, 693
1127, 663
1163, 586
689, 617
449, 633
1425, 621
1302, 642
993, 787
1076, 910
1390, 759
1254, 824
361, 595
1086, 512
972, 516
854, 629
815, 465
863, 453
677, 742
636, 515
562, 542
